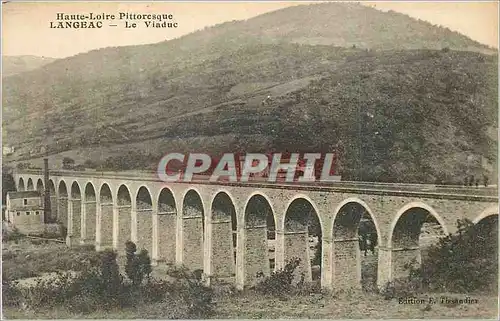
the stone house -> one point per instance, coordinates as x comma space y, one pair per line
25, 211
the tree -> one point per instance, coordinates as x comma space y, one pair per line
68, 163
8, 184
137, 266
464, 261
110, 274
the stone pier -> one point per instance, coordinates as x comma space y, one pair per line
192, 231
223, 261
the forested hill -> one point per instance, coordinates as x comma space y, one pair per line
12, 65
400, 114
337, 24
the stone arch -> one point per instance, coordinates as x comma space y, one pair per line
404, 240
75, 190
29, 185
354, 228
487, 226
302, 234
167, 226
490, 211
76, 207
405, 211
89, 214
20, 185
260, 229
124, 203
144, 210
62, 205
39, 186
106, 217
223, 235
193, 223
52, 187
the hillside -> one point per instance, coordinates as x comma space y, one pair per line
400, 114
12, 65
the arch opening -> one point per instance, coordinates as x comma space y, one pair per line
52, 187
167, 226
75, 191
355, 247
20, 185
260, 236
124, 202
63, 205
193, 223
144, 210
224, 236
415, 230
303, 238
39, 186
29, 185
106, 226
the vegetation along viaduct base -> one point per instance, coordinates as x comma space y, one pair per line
223, 228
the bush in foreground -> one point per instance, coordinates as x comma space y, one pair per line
280, 282
102, 287
462, 262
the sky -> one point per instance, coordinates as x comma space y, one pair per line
26, 25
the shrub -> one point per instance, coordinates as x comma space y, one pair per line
280, 281
13, 235
138, 266
102, 287
404, 287
89, 164
11, 295
191, 290
68, 163
462, 262
111, 279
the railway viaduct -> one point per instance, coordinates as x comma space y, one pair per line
223, 227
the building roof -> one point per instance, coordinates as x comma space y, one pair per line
25, 194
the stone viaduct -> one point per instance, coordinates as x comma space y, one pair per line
223, 227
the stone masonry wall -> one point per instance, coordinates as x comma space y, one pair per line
297, 245
402, 257
76, 221
347, 264
106, 225
62, 211
256, 253
223, 264
124, 227
145, 230
192, 231
90, 222
167, 225
54, 204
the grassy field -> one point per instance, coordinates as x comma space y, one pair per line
251, 306
26, 259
